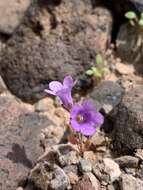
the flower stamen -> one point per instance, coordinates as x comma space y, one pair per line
80, 118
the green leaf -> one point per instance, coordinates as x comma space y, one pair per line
141, 22
96, 72
94, 69
89, 72
99, 59
105, 70
141, 15
130, 15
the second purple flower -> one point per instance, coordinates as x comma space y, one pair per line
63, 91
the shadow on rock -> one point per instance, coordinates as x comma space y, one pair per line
18, 155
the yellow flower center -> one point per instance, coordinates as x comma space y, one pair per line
80, 118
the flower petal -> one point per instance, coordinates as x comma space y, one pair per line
89, 105
75, 125
65, 96
76, 109
49, 92
68, 82
55, 86
98, 119
87, 129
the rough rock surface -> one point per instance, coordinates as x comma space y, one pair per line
19, 141
48, 172
127, 161
11, 14
60, 42
107, 96
88, 181
3, 87
107, 171
85, 166
129, 182
128, 126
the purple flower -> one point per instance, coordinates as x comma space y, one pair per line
85, 119
63, 91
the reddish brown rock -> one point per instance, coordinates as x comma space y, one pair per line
19, 141
88, 181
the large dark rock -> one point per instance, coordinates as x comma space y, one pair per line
19, 141
128, 126
60, 39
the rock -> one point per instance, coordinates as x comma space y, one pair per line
127, 161
46, 175
88, 181
58, 115
72, 173
140, 172
94, 181
2, 44
11, 14
20, 146
102, 149
103, 187
85, 166
53, 133
29, 186
71, 168
128, 125
43, 105
63, 154
19, 188
108, 94
90, 156
112, 169
98, 169
73, 178
124, 69
128, 182
69, 158
33, 56
97, 140
110, 187
139, 154
107, 171
131, 171
3, 87
60, 181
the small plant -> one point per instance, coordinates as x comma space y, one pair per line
134, 19
84, 118
99, 70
